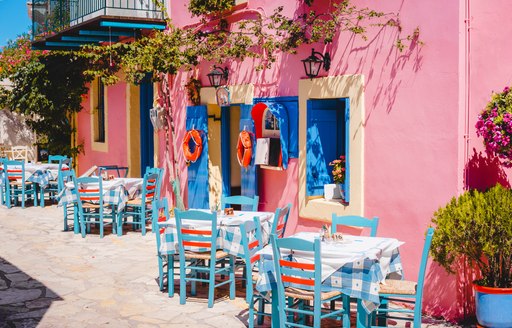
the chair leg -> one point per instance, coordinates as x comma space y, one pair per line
41, 194
250, 318
183, 283
211, 284
170, 275
261, 309
143, 222
417, 314
346, 309
160, 272
231, 277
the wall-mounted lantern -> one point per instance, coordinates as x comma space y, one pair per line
313, 63
217, 75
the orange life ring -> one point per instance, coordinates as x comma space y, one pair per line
195, 136
244, 149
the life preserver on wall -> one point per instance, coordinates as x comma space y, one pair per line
194, 136
244, 149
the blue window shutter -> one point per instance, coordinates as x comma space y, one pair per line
226, 152
249, 181
198, 194
292, 107
347, 149
281, 113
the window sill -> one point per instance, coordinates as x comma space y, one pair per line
321, 209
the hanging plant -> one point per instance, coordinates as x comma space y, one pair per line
193, 91
494, 124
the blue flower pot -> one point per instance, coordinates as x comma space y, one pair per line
493, 306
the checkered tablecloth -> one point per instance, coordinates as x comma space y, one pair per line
359, 272
41, 177
229, 236
117, 196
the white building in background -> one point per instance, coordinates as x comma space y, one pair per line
14, 131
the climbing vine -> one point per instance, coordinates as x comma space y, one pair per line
47, 86
259, 37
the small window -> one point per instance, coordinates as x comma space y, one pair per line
270, 125
99, 129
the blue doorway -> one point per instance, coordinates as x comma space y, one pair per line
146, 128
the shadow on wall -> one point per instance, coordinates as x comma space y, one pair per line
23, 300
483, 172
450, 296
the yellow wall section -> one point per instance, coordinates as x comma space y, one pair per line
133, 129
240, 94
346, 86
98, 146
214, 156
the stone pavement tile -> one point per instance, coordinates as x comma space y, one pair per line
51, 278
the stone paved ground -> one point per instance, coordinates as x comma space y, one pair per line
51, 278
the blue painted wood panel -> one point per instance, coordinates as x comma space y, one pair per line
249, 178
198, 186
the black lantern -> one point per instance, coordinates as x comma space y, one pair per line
313, 63
217, 75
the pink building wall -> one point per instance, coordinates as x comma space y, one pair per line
115, 128
419, 105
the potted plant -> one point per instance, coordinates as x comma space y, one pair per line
476, 227
336, 190
494, 124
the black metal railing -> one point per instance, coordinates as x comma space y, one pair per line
54, 15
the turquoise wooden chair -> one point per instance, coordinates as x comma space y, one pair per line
140, 208
355, 221
307, 284
160, 172
280, 219
401, 291
251, 241
250, 203
70, 210
166, 261
15, 184
2, 181
91, 207
199, 248
53, 188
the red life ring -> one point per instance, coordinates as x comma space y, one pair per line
195, 136
244, 149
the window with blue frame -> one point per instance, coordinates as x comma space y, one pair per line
326, 140
291, 118
99, 129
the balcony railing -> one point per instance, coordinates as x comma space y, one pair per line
55, 15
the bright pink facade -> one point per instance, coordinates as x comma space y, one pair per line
421, 104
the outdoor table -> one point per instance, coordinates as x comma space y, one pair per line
355, 266
38, 173
229, 238
115, 192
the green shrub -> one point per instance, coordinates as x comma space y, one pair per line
477, 227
